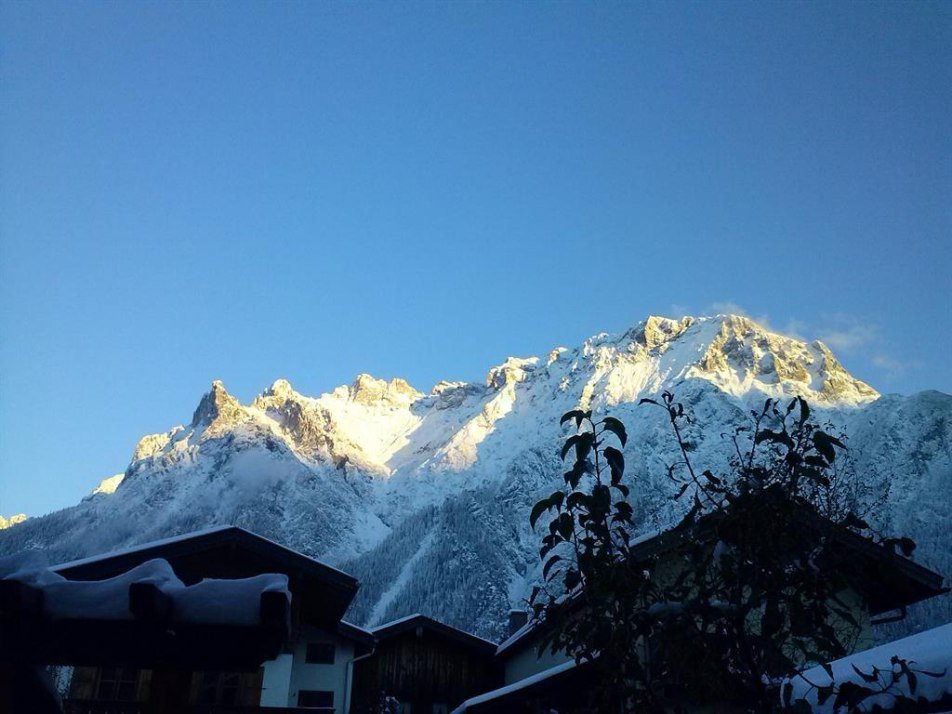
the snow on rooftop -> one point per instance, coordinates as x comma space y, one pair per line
229, 602
232, 602
398, 621
517, 636
416, 615
929, 651
104, 599
515, 686
185, 537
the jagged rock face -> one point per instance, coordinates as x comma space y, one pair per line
425, 497
12, 520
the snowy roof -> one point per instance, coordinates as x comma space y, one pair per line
515, 687
396, 627
203, 537
141, 616
355, 632
518, 636
929, 651
322, 592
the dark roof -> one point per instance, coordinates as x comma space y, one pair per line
428, 624
886, 579
322, 592
355, 633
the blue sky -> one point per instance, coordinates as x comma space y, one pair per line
242, 192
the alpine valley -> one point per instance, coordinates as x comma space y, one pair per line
425, 497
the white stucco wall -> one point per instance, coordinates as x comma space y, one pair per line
526, 661
322, 677
276, 683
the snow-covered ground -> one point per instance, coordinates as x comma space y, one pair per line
928, 655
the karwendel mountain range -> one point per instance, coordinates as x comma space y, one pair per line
425, 496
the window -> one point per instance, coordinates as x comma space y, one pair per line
219, 688
117, 684
315, 699
320, 653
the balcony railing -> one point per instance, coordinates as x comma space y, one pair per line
80, 706
77, 706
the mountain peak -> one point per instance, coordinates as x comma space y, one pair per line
280, 388
108, 485
657, 330
368, 390
216, 403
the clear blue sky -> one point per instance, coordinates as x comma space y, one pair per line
192, 191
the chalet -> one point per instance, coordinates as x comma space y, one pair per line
424, 666
312, 670
142, 617
879, 583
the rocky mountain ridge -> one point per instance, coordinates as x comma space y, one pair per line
425, 496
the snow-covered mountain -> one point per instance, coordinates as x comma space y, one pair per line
425, 496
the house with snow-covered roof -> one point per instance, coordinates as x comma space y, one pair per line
422, 665
878, 583
313, 668
142, 618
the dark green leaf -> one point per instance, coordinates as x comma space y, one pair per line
537, 510
572, 579
777, 437
570, 442
574, 475
617, 428
824, 444
548, 565
577, 414
565, 525
616, 462
804, 409
871, 677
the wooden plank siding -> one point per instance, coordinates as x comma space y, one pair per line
423, 669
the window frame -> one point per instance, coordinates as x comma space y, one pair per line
318, 646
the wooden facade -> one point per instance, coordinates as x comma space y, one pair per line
152, 662
425, 666
147, 690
